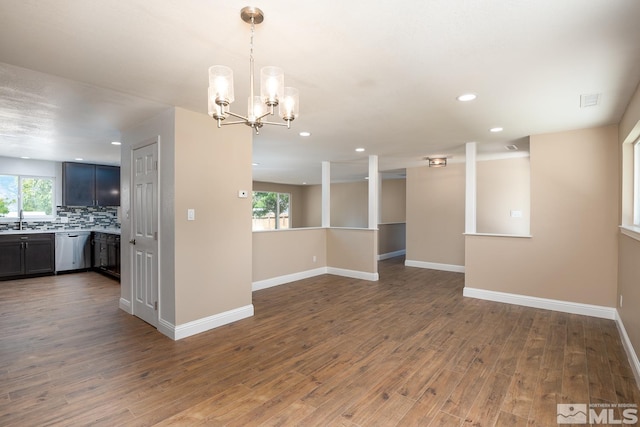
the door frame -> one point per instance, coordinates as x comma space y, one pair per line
132, 148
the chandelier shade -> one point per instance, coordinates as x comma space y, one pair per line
273, 93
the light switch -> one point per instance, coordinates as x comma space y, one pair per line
191, 214
516, 214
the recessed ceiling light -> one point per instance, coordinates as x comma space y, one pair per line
494, 130
79, 159
304, 183
116, 143
366, 177
25, 157
305, 133
360, 150
255, 164
467, 97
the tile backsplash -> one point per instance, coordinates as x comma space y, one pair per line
79, 217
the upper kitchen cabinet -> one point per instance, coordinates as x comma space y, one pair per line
90, 185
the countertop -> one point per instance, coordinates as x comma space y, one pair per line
100, 230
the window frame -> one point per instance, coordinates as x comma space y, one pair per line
277, 213
27, 218
636, 183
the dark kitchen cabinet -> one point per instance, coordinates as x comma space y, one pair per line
24, 255
90, 185
106, 253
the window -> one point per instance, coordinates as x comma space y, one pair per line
33, 195
270, 210
636, 183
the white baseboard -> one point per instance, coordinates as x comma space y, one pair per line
167, 328
628, 348
354, 274
544, 303
201, 325
125, 305
287, 278
393, 254
435, 266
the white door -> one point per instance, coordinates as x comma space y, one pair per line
144, 230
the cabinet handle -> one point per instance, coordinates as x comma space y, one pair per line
132, 241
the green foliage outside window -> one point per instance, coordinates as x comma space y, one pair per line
270, 205
34, 195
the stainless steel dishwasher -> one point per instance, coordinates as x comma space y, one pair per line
73, 250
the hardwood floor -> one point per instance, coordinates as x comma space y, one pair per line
408, 350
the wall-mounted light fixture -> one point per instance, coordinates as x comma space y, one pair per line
437, 162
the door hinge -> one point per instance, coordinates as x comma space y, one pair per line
155, 305
155, 235
155, 165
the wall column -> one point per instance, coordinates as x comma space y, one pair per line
470, 189
373, 192
326, 194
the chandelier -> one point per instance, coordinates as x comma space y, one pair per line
272, 90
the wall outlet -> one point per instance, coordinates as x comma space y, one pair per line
191, 214
90, 218
64, 219
243, 194
516, 214
314, 258
620, 300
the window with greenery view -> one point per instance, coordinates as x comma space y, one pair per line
34, 195
270, 210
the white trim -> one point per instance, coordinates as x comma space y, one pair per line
517, 236
354, 274
543, 303
388, 255
167, 328
470, 188
287, 278
632, 231
201, 325
125, 305
435, 266
628, 348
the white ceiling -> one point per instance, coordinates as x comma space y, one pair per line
379, 75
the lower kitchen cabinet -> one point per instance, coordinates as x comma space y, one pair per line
106, 253
23, 255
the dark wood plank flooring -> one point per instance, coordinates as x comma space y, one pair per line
408, 350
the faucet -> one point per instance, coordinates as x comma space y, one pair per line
21, 218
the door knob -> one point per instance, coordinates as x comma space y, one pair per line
132, 241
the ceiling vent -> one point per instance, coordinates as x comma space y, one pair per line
589, 100
511, 147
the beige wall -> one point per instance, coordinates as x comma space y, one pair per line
352, 249
297, 214
393, 201
629, 278
629, 249
283, 252
312, 206
502, 186
160, 128
350, 204
213, 253
392, 237
435, 214
572, 255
